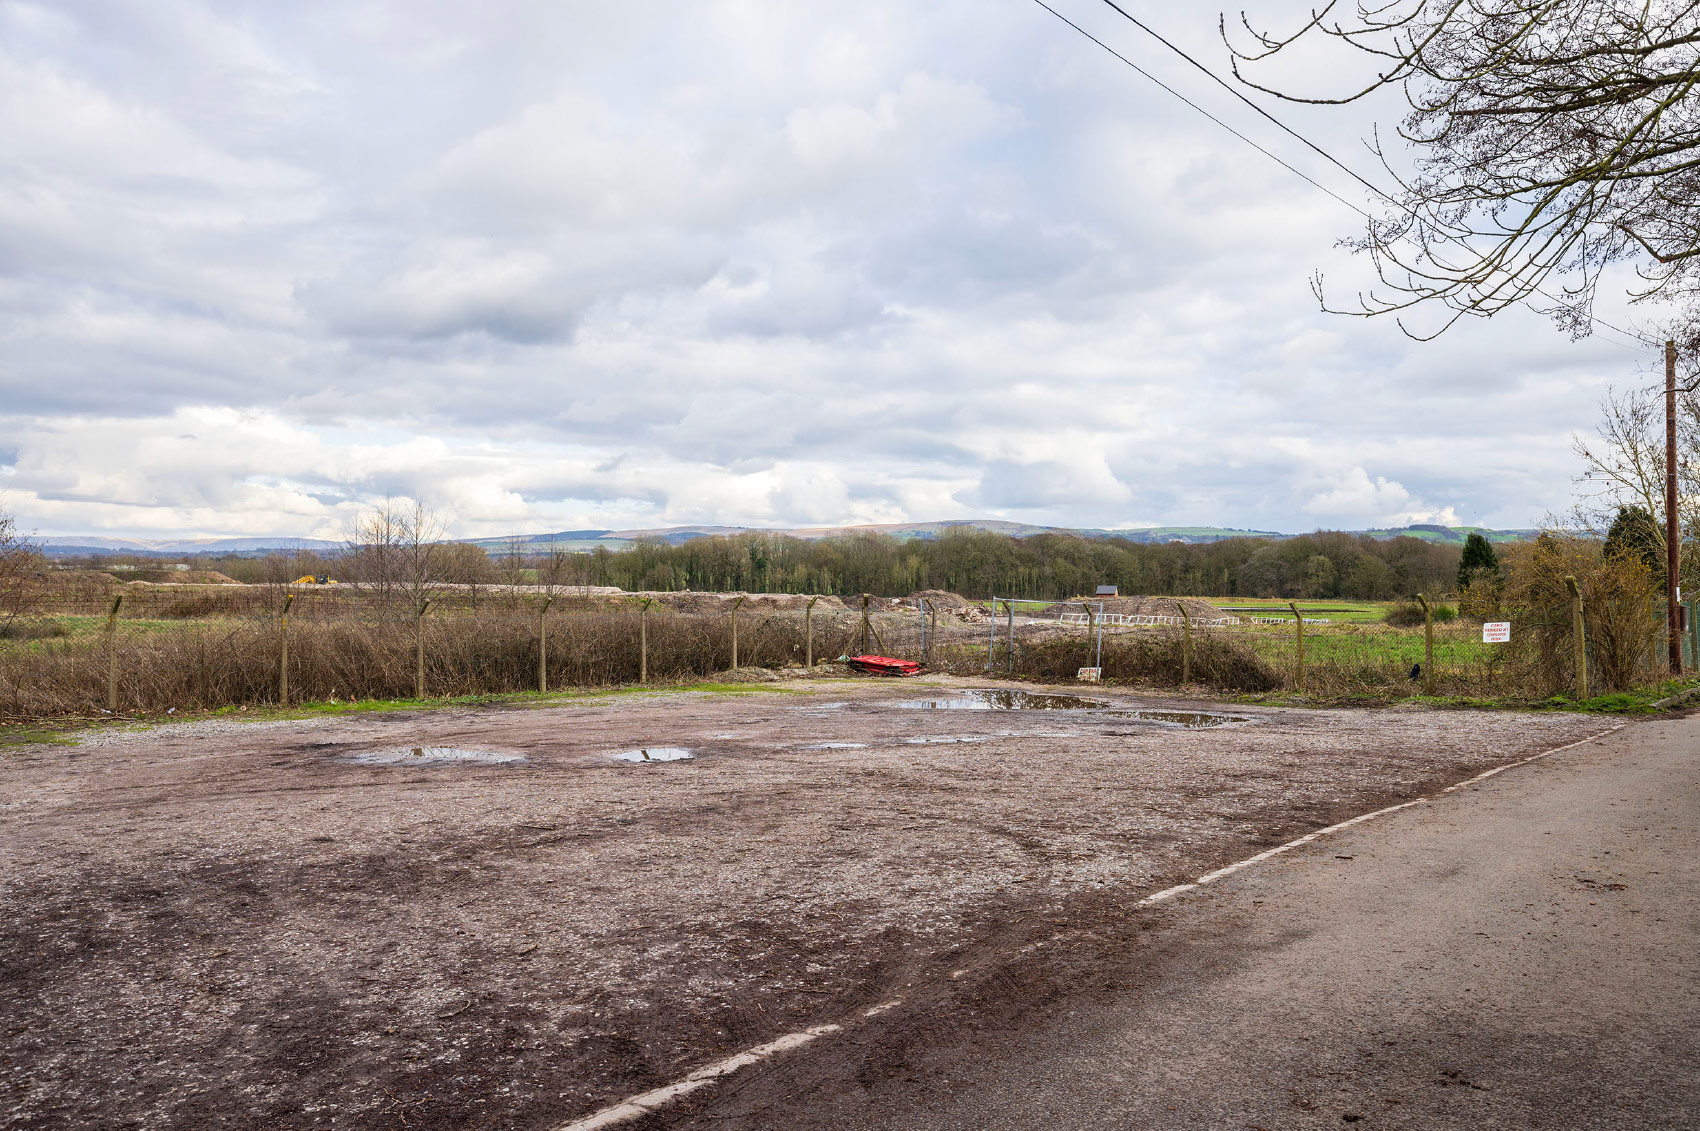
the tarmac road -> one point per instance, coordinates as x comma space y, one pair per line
1518, 954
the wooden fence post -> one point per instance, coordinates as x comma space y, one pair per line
865, 624
735, 605
112, 655
1578, 632
1428, 646
1299, 621
643, 642
1009, 607
283, 652
543, 645
1186, 644
419, 649
809, 633
1092, 635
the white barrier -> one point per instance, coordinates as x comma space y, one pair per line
1140, 620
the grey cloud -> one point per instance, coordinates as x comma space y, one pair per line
801, 263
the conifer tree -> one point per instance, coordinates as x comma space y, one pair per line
1478, 559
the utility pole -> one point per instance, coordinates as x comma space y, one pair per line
1673, 528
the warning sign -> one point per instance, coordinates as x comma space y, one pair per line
1496, 632
1089, 675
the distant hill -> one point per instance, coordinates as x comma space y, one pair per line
81, 545
584, 541
1451, 534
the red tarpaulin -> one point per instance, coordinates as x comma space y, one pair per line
884, 665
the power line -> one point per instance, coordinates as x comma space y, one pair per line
1329, 157
1302, 176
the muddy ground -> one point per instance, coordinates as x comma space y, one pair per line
303, 924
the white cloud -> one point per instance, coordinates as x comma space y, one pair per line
589, 265
1354, 497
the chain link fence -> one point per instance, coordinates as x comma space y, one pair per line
148, 649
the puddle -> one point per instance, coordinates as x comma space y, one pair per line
432, 756
837, 746
989, 699
656, 754
933, 739
819, 706
1190, 720
999, 700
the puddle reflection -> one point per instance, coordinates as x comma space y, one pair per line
656, 754
432, 756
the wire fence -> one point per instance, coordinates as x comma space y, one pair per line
150, 649
1319, 657
78, 655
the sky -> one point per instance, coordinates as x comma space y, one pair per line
550, 266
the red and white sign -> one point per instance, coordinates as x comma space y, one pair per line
1496, 632
1090, 675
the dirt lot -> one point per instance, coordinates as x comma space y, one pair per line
302, 924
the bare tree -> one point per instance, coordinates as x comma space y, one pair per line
465, 563
1552, 138
21, 566
396, 549
555, 569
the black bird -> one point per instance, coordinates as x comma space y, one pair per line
1416, 671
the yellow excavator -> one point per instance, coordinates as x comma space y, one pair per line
311, 580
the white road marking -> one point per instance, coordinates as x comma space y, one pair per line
701, 1078
649, 1102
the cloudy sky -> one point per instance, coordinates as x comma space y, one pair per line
563, 265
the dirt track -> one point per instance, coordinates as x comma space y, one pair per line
231, 924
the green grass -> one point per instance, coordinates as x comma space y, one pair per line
1337, 611
11, 737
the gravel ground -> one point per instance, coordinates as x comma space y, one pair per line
303, 925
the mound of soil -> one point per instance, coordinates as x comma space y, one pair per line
1142, 607
82, 577
186, 577
942, 599
689, 601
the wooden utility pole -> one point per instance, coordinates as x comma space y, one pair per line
643, 642
283, 652
866, 625
1673, 521
1579, 637
1428, 647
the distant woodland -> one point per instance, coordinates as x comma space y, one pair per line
979, 565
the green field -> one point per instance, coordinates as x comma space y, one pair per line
1338, 612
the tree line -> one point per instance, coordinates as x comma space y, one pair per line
403, 553
972, 563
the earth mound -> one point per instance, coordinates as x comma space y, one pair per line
1196, 608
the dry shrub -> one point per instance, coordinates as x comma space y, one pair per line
44, 628
1481, 599
201, 665
1619, 594
191, 607
1409, 614
1219, 661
